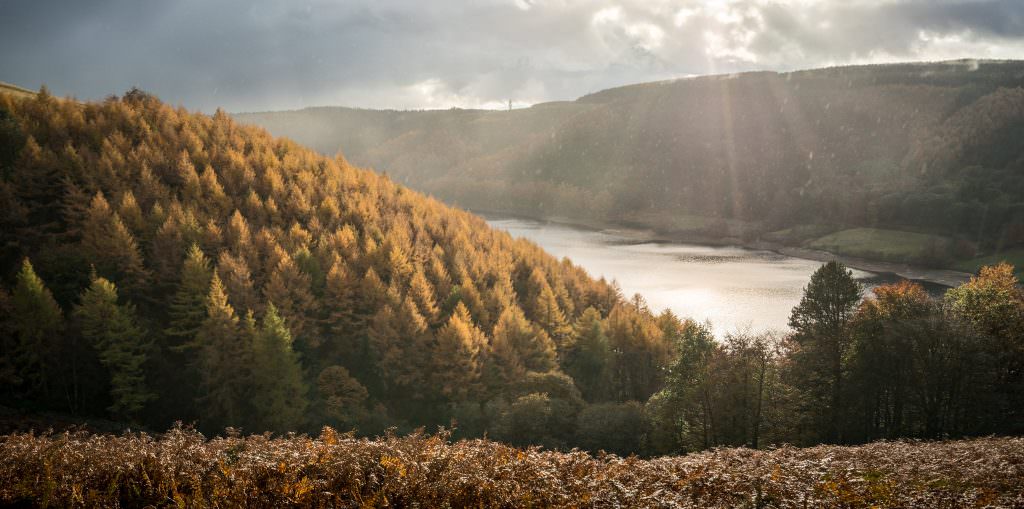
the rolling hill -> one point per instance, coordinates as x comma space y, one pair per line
788, 157
160, 265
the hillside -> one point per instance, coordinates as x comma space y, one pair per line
183, 469
785, 157
7, 88
160, 265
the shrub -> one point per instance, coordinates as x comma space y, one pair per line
182, 467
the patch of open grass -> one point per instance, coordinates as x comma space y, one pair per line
1014, 257
889, 245
692, 224
668, 222
799, 233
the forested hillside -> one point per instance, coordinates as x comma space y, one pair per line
788, 157
161, 265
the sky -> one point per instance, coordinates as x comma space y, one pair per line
259, 55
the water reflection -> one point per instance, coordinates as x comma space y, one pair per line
734, 288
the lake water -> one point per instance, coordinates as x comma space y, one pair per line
734, 288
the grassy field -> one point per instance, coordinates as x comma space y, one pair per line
691, 224
1014, 257
181, 468
887, 245
797, 235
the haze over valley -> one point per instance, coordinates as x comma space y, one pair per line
907, 163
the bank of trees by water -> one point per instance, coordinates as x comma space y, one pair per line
162, 265
892, 364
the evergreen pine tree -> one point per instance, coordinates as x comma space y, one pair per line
423, 295
501, 296
237, 232
290, 290
456, 362
279, 393
589, 359
517, 348
398, 264
821, 339
640, 351
185, 176
37, 323
237, 278
372, 293
342, 323
39, 182
188, 307
437, 272
401, 339
225, 362
110, 246
112, 329
546, 312
471, 297
130, 213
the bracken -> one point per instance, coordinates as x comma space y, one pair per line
183, 468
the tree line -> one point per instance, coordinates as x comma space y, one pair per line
894, 364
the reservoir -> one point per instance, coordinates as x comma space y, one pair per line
732, 287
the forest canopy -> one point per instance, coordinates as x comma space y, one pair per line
162, 265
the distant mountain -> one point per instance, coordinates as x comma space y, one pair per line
930, 148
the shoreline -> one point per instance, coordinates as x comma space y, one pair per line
944, 277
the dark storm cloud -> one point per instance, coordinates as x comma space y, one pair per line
256, 55
847, 32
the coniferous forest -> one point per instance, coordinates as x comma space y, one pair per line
163, 266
